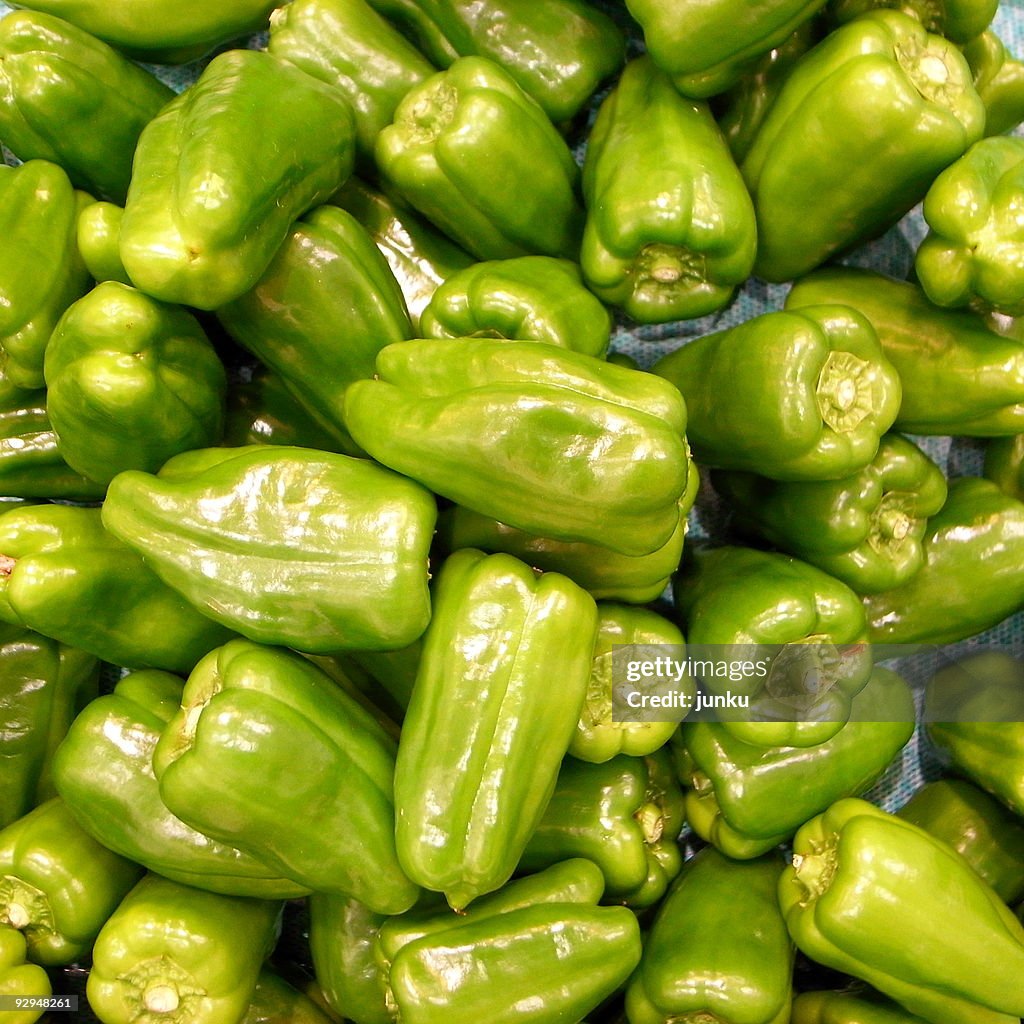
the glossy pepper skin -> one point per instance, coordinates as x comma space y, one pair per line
155, 958
999, 79
975, 250
833, 394
1004, 464
347, 44
556, 52
862, 880
958, 20
43, 685
104, 771
973, 572
466, 808
67, 97
959, 377
532, 298
848, 1007
476, 156
274, 1001
865, 530
718, 949
988, 836
18, 978
353, 576
41, 271
747, 799
246, 710
130, 383
99, 228
550, 441
58, 559
420, 257
326, 306
58, 885
247, 111
911, 109
674, 242
739, 596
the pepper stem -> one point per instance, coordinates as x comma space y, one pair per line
24, 907
891, 523
844, 392
161, 999
815, 870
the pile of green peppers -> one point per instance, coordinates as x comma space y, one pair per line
327, 497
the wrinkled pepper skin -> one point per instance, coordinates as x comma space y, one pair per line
99, 228
180, 956
833, 394
69, 98
746, 799
56, 560
58, 885
467, 808
739, 596
130, 383
41, 271
550, 441
326, 306
104, 772
259, 132
974, 253
862, 880
707, 48
911, 108
973, 572
979, 828
959, 377
568, 957
999, 79
624, 815
420, 257
476, 156
161, 31
1004, 464
958, 20
598, 737
865, 530
674, 242
533, 298
718, 949
848, 1008
274, 1001
43, 686
222, 526
222, 767
557, 52
347, 44
18, 978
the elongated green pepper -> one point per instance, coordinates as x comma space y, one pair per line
20, 979
999, 79
1004, 464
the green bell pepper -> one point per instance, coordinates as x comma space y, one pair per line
550, 441
104, 772
557, 52
908, 109
832, 394
223, 171
474, 154
999, 79
130, 383
180, 956
532, 298
707, 48
674, 241
41, 271
347, 44
99, 229
19, 979
744, 599
974, 253
958, 20
718, 949
1004, 464
848, 1007
326, 306
274, 1001
43, 686
420, 257
67, 97
58, 885
979, 828
746, 799
862, 881
865, 530
959, 377
467, 807
225, 766
230, 529
973, 572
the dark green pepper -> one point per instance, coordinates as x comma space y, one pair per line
999, 79
99, 229
957, 20
1004, 464
19, 979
